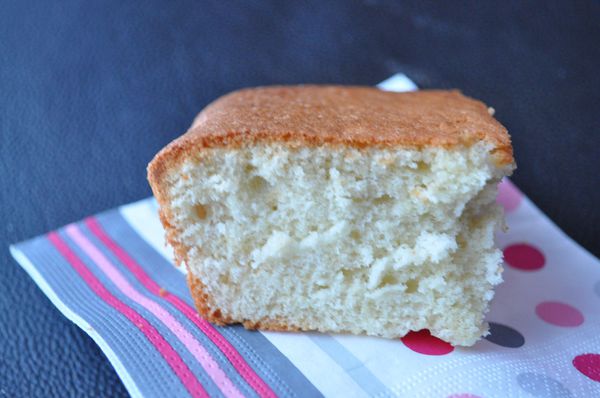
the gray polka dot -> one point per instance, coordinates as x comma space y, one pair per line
597, 288
542, 386
504, 336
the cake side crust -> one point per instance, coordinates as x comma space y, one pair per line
207, 310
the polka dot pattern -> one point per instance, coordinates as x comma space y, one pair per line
543, 386
509, 197
504, 336
424, 343
559, 314
524, 257
589, 365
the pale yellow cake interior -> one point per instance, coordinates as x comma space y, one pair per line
338, 239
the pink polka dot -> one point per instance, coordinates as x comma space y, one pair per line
509, 196
559, 314
589, 365
465, 395
424, 343
523, 256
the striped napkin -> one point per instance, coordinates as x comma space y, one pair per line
112, 275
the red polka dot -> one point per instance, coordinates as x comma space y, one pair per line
559, 314
525, 257
424, 343
509, 196
589, 365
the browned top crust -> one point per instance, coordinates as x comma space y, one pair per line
339, 115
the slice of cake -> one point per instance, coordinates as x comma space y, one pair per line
339, 209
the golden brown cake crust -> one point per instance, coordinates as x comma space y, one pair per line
338, 115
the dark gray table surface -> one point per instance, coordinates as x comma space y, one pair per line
91, 90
